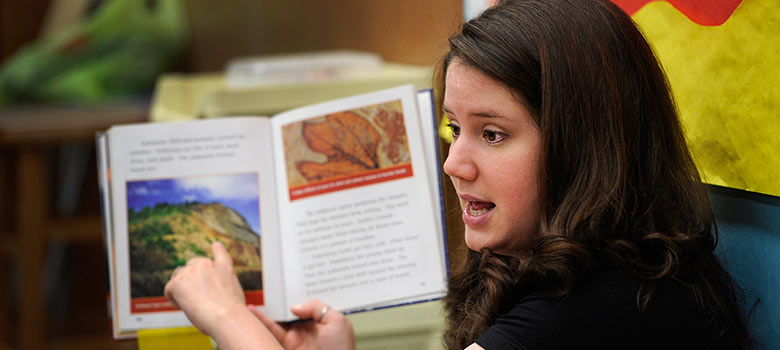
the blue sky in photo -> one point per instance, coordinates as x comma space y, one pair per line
238, 192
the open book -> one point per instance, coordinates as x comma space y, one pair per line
338, 201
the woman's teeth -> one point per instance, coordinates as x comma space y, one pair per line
479, 208
479, 212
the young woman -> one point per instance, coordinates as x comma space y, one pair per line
587, 223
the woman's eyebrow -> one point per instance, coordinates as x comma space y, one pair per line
489, 114
483, 114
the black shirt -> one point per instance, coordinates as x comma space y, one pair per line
601, 312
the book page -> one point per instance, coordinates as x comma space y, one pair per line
178, 187
357, 213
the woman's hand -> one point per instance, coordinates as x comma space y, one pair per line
331, 330
210, 295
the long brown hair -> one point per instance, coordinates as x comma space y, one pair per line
619, 183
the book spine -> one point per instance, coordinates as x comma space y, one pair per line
101, 145
106, 214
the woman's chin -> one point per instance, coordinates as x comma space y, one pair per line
475, 242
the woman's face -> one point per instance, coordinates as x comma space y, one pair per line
493, 161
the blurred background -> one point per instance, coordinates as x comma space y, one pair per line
70, 68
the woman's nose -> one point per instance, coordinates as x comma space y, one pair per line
459, 163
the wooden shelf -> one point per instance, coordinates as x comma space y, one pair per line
84, 229
75, 230
8, 245
26, 135
91, 341
53, 125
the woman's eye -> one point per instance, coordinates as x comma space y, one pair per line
454, 129
493, 136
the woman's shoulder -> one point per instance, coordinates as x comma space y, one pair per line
600, 311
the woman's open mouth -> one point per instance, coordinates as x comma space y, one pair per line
479, 208
477, 213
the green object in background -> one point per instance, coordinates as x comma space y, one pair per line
116, 53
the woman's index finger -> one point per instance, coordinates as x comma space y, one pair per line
221, 255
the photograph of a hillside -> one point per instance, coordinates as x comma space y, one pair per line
173, 220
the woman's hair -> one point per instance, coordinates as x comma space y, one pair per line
619, 184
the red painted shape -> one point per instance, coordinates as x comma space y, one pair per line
704, 12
